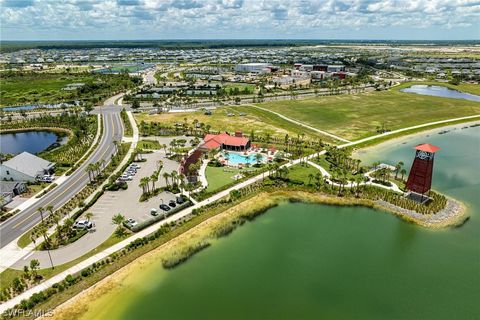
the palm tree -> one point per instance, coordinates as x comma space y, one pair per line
34, 266
50, 209
90, 170
101, 163
398, 167
154, 178
88, 216
41, 210
159, 165
175, 177
118, 219
403, 172
43, 230
258, 158
142, 185
166, 175
144, 182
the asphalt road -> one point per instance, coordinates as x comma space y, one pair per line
25, 220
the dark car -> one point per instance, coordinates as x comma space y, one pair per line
179, 200
164, 207
172, 203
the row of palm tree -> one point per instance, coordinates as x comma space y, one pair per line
94, 169
63, 231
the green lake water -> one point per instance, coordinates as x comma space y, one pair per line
303, 261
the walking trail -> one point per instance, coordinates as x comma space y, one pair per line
145, 232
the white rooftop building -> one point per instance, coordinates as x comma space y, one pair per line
25, 167
253, 67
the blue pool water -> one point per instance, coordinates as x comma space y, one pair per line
236, 158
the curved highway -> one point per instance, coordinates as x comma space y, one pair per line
14, 227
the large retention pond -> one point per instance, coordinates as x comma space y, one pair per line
303, 261
439, 91
30, 141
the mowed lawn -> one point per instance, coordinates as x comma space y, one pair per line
357, 116
218, 177
261, 122
301, 172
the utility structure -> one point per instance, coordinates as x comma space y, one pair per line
420, 178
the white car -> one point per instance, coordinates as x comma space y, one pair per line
83, 224
136, 166
131, 222
47, 178
126, 177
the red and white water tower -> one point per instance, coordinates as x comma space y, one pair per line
420, 177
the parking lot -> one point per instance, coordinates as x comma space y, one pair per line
125, 202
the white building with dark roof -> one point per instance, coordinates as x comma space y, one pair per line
25, 167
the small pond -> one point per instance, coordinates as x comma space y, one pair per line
29, 107
30, 141
439, 91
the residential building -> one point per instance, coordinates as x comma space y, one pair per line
25, 167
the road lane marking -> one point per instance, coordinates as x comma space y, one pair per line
69, 187
29, 255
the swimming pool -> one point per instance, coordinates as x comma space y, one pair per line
237, 158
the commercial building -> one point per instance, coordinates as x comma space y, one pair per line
254, 67
226, 142
25, 167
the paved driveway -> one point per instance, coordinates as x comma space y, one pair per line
111, 203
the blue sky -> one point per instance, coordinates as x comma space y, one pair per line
239, 19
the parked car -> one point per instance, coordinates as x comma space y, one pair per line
154, 212
126, 177
164, 207
131, 222
83, 224
134, 165
179, 200
172, 203
46, 178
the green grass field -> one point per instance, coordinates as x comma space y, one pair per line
262, 122
27, 88
301, 172
148, 144
358, 116
218, 177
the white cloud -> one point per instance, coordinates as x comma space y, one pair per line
237, 18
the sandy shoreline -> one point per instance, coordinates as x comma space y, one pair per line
453, 214
83, 304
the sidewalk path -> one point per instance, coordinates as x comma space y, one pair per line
300, 123
46, 284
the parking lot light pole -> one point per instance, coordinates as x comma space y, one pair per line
48, 249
